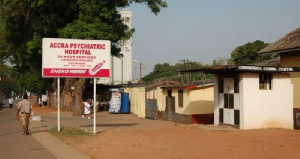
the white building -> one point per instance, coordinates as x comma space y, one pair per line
253, 97
121, 68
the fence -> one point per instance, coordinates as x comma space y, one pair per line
296, 118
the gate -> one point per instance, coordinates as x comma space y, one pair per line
151, 108
296, 118
170, 107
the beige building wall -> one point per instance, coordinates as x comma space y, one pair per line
293, 61
137, 100
201, 101
186, 101
151, 93
174, 94
195, 101
160, 99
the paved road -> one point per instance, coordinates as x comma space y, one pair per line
41, 144
13, 144
38, 144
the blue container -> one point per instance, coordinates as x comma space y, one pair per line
124, 103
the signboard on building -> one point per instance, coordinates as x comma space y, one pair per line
76, 58
268, 69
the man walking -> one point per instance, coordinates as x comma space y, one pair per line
10, 102
24, 110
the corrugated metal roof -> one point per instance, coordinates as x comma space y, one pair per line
190, 86
200, 86
204, 83
289, 42
162, 84
272, 62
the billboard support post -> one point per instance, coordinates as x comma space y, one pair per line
58, 104
95, 105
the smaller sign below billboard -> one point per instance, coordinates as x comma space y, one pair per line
115, 102
76, 58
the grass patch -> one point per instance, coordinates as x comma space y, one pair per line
69, 132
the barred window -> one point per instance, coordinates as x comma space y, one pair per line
265, 81
236, 85
180, 98
221, 85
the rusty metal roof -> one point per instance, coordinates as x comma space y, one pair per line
164, 83
201, 86
204, 83
213, 70
289, 42
272, 62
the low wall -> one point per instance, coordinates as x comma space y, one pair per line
188, 119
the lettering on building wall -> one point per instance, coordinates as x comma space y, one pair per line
266, 69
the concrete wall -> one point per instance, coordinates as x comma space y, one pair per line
266, 108
122, 67
216, 101
137, 100
161, 100
186, 99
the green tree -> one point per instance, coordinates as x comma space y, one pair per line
159, 71
166, 70
25, 22
221, 61
7, 82
247, 53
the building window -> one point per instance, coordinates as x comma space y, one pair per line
221, 85
236, 85
169, 93
180, 98
265, 81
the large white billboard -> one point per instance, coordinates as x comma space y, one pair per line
76, 58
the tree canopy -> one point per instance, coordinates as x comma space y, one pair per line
247, 53
23, 24
221, 61
7, 83
165, 70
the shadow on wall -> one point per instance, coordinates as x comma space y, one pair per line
197, 112
199, 107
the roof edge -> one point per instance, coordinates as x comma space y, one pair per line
279, 51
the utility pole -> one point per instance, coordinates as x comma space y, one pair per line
140, 70
184, 61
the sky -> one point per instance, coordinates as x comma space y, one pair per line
204, 30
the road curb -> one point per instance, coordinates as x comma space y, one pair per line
57, 147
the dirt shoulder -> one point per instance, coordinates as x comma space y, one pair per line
180, 142
42, 110
128, 136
